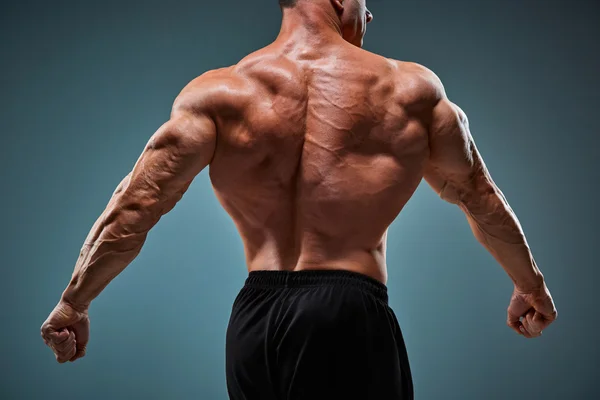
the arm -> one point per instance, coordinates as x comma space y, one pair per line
457, 172
173, 156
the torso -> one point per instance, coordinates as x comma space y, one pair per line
317, 154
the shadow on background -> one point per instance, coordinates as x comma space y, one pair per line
84, 85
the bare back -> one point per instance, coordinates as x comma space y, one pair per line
317, 154
314, 147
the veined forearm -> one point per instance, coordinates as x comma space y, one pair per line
497, 228
97, 265
113, 243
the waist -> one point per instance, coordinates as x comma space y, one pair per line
316, 278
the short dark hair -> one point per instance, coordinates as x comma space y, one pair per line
287, 3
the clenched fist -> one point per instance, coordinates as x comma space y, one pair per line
66, 331
531, 311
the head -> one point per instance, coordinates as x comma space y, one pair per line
352, 16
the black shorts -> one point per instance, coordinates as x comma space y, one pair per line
314, 335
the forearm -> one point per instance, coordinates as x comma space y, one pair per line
113, 243
497, 228
101, 260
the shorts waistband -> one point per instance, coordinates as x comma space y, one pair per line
316, 278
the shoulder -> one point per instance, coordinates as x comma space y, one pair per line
212, 92
422, 83
437, 93
423, 73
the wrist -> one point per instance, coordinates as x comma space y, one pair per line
70, 299
532, 284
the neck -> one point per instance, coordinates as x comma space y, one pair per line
310, 21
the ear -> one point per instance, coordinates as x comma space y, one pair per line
338, 5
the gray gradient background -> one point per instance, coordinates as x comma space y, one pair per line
85, 84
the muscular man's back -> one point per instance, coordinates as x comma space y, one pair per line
322, 151
314, 147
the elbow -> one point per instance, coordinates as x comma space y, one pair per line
129, 223
450, 193
134, 215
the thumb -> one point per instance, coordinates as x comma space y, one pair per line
59, 336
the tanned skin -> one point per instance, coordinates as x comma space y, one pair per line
314, 146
